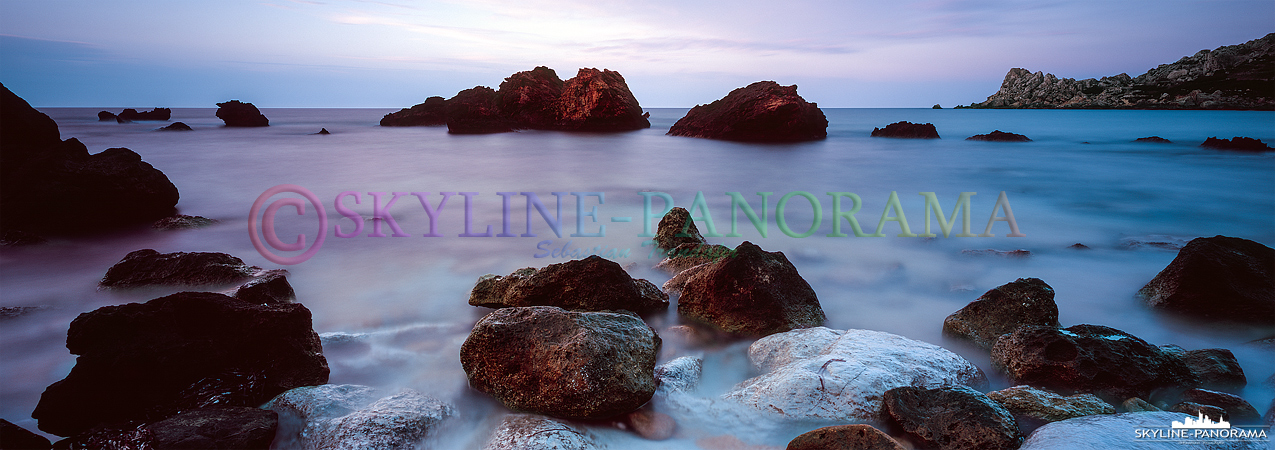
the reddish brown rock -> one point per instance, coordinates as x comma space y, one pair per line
590, 284
1218, 279
951, 418
599, 100
907, 130
1236, 143
855, 436
1026, 301
530, 98
999, 136
760, 112
677, 228
751, 291
474, 111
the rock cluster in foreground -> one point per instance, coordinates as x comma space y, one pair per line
760, 112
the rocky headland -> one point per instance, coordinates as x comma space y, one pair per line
1230, 77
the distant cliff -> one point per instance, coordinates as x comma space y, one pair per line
1230, 77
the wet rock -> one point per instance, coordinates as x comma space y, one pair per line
688, 255
1033, 407
105, 116
951, 418
681, 374
351, 417
1236, 143
149, 268
130, 115
1104, 361
1020, 253
1217, 279
998, 136
574, 365
183, 222
652, 425
753, 292
599, 100
677, 228
1135, 404
1026, 301
760, 112
231, 428
855, 436
530, 98
590, 284
1216, 368
269, 287
175, 126
1100, 432
1237, 410
823, 374
18, 438
907, 130
239, 114
1153, 139
474, 111
431, 112
136, 359
525, 431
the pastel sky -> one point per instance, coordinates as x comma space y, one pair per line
674, 53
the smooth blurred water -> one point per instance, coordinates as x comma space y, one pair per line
1081, 180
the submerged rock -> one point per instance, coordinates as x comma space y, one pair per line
1236, 143
590, 284
230, 428
239, 114
598, 100
824, 374
1153, 139
751, 291
1033, 407
175, 126
1102, 431
998, 136
955, 417
760, 112
474, 111
431, 112
907, 130
1089, 359
148, 268
136, 359
1217, 279
574, 365
854, 436
1026, 301
352, 417
526, 431
677, 228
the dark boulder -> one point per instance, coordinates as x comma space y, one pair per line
530, 98
130, 115
148, 267
998, 136
951, 418
183, 222
474, 111
431, 112
760, 112
1237, 409
1218, 279
230, 428
855, 436
106, 116
137, 361
239, 114
1236, 143
1216, 368
677, 228
574, 365
270, 287
907, 130
752, 291
1104, 361
13, 437
1153, 139
599, 100
1026, 301
589, 284
175, 126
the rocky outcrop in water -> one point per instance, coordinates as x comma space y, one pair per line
999, 136
239, 114
760, 112
105, 116
139, 361
148, 267
1153, 139
528, 431
589, 284
677, 228
175, 126
599, 100
183, 222
907, 130
573, 365
431, 112
474, 111
1229, 77
1236, 143
530, 98
1026, 301
752, 291
53, 186
1217, 279
130, 115
593, 100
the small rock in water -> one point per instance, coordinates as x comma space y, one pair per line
226, 427
1154, 139
1135, 404
239, 114
1020, 253
1216, 368
1027, 301
589, 284
760, 112
1237, 409
175, 126
1033, 407
269, 287
1078, 246
907, 130
999, 136
1159, 241
855, 436
351, 417
323, 131
1236, 143
677, 228
104, 116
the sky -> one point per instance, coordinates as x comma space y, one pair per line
673, 53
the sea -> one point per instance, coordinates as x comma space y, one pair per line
533, 198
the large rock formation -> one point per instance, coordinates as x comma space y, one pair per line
433, 111
141, 361
1218, 279
530, 98
760, 112
599, 100
594, 100
573, 365
239, 114
751, 291
1237, 143
1229, 77
50, 185
590, 284
474, 111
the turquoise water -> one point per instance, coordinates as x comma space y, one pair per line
1081, 180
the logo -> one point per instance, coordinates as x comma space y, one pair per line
267, 224
1201, 430
1202, 422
